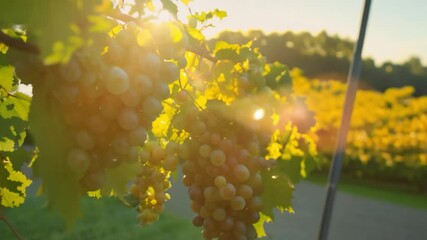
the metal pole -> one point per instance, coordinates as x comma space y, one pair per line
352, 82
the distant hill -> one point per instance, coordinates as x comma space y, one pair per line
324, 56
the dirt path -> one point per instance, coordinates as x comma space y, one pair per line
354, 218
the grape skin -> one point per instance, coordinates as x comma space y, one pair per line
128, 119
227, 192
241, 173
223, 178
78, 161
217, 157
85, 140
104, 100
153, 178
109, 102
220, 181
117, 81
137, 136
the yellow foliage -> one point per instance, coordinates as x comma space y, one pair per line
388, 127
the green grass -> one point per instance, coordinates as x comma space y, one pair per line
105, 219
387, 192
108, 219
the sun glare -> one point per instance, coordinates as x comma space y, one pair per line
164, 16
259, 114
158, 13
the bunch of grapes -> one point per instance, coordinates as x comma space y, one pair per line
222, 173
109, 100
152, 180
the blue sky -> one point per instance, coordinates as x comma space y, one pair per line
397, 29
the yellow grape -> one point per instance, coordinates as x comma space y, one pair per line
78, 161
205, 150
217, 157
151, 64
70, 72
131, 98
137, 136
220, 181
117, 81
237, 203
227, 192
241, 173
219, 214
128, 119
245, 191
94, 180
85, 140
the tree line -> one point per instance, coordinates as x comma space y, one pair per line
326, 56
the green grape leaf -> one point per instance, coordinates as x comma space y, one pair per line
13, 185
219, 13
13, 119
6, 144
227, 54
161, 126
10, 199
200, 16
63, 191
52, 25
291, 168
12, 134
61, 51
295, 154
100, 24
234, 52
170, 7
11, 33
186, 2
223, 70
222, 45
6, 78
117, 179
3, 48
196, 36
277, 192
205, 16
95, 194
278, 76
48, 28
18, 157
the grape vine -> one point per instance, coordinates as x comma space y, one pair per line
121, 99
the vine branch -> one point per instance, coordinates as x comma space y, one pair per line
18, 44
11, 227
126, 18
33, 49
8, 94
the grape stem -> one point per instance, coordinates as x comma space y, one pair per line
8, 94
18, 43
11, 227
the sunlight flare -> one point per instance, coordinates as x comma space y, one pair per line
259, 114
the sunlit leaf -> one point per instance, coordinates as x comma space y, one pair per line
13, 185
277, 192
259, 226
117, 179
6, 78
170, 6
50, 23
186, 2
